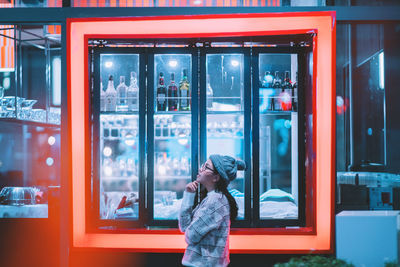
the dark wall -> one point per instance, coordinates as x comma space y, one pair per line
392, 78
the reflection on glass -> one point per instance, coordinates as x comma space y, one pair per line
116, 95
224, 89
225, 115
172, 82
172, 163
278, 136
119, 155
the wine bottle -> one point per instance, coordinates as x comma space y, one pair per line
111, 95
122, 89
278, 89
172, 94
161, 93
286, 94
184, 92
133, 93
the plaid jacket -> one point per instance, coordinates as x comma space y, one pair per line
206, 230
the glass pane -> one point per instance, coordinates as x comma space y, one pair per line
172, 132
119, 137
278, 136
225, 115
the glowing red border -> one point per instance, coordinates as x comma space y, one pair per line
318, 237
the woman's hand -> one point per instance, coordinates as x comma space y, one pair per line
192, 187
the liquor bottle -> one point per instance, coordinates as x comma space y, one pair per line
172, 94
278, 89
122, 89
286, 94
111, 95
102, 96
184, 92
294, 94
268, 80
133, 93
161, 94
209, 93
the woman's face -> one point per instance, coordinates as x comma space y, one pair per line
207, 174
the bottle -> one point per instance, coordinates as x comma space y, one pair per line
268, 80
278, 89
102, 96
294, 94
161, 94
172, 94
122, 89
111, 95
286, 95
133, 93
209, 93
184, 92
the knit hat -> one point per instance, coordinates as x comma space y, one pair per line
227, 166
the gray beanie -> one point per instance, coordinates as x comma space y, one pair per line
227, 166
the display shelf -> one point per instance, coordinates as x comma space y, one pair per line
29, 123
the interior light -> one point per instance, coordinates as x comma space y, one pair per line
6, 83
51, 140
49, 161
183, 141
173, 63
234, 63
107, 151
108, 64
129, 141
381, 71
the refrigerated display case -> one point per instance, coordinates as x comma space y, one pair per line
126, 194
251, 95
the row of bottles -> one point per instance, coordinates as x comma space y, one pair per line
283, 96
123, 98
173, 98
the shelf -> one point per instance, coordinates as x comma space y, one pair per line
29, 123
169, 177
116, 113
233, 112
172, 113
134, 177
277, 113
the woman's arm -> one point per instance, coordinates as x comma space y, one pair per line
185, 215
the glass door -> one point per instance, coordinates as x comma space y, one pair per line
225, 114
277, 186
118, 132
172, 130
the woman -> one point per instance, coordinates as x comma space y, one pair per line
206, 226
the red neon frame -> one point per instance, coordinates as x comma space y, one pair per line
318, 237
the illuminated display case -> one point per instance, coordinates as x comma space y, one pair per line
136, 187
251, 95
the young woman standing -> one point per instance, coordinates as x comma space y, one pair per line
207, 224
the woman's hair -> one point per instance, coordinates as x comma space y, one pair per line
223, 188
